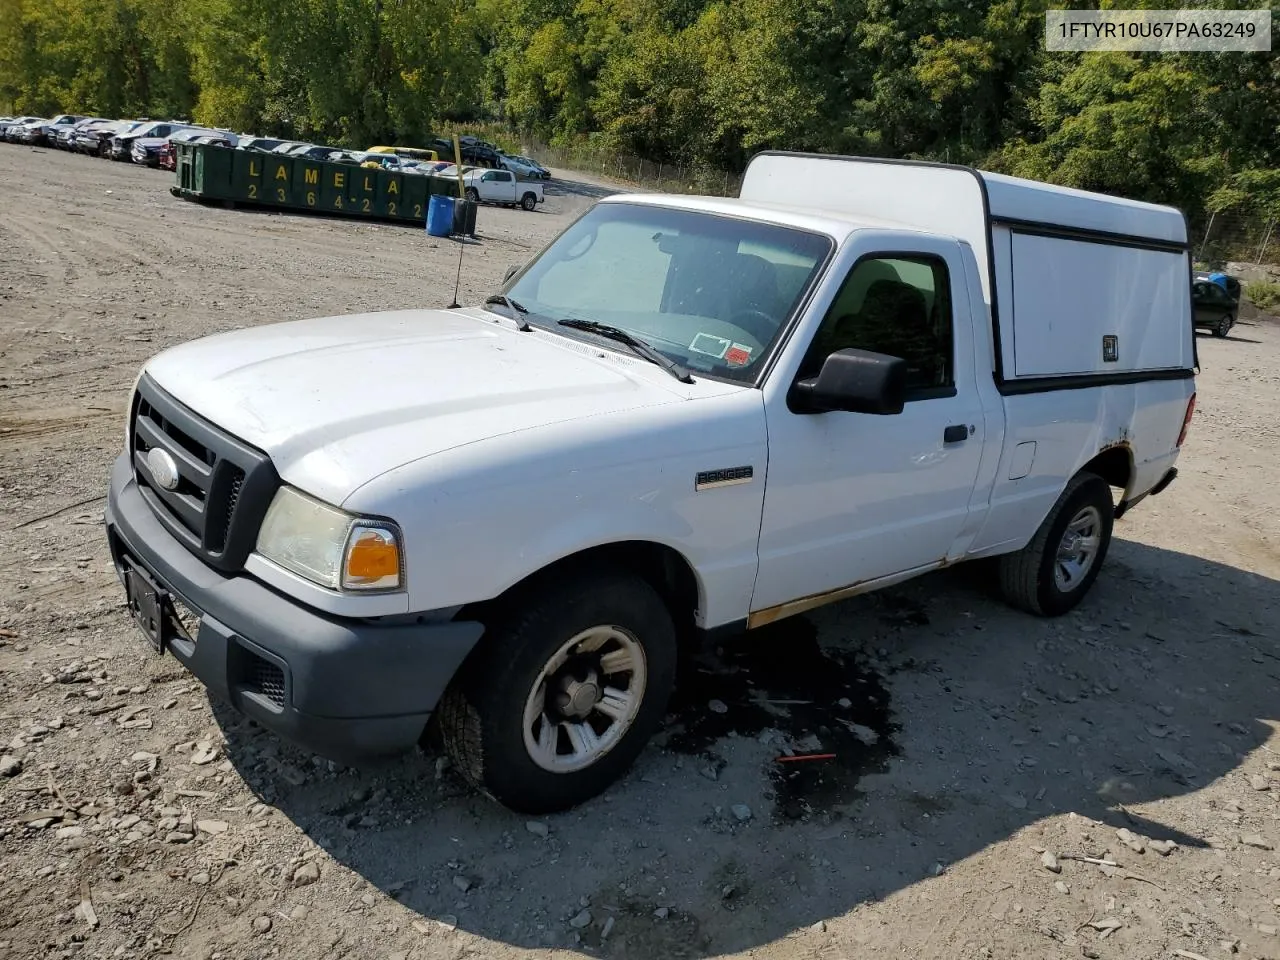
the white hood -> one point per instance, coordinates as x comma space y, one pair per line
338, 401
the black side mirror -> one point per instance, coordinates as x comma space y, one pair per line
511, 272
857, 381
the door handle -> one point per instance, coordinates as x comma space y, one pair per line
955, 433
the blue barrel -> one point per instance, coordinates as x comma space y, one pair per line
440, 216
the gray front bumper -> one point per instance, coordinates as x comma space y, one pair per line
351, 689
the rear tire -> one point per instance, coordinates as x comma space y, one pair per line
1224, 325
529, 201
1052, 573
564, 691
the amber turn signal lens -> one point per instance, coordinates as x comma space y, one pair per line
373, 559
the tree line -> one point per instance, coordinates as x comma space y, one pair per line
702, 83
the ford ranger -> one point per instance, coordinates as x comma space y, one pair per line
686, 417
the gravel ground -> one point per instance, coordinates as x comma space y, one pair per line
1104, 785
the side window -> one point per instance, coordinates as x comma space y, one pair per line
896, 305
504, 176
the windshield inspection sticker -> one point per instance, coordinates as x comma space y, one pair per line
738, 355
705, 343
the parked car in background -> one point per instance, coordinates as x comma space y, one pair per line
265, 144
542, 172
451, 170
167, 154
146, 150
388, 161
285, 147
158, 130
442, 146
29, 132
480, 154
420, 154
1212, 307
49, 131
523, 168
314, 151
501, 186
14, 126
63, 135
95, 138
1233, 286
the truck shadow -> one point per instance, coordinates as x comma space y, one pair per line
953, 722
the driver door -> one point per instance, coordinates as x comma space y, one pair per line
854, 497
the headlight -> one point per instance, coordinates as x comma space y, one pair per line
330, 546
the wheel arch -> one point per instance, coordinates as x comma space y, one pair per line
1114, 464
662, 566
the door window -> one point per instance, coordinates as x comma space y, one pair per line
899, 305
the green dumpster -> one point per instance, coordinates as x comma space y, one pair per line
277, 180
392, 194
307, 176
443, 186
415, 198
185, 168
335, 180
246, 175
366, 191
204, 172
213, 172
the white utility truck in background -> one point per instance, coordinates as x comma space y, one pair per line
687, 416
501, 186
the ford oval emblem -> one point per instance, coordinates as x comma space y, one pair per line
164, 470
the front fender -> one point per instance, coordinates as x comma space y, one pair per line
481, 518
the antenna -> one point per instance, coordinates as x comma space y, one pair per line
462, 244
462, 197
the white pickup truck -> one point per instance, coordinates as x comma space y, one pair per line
502, 186
686, 417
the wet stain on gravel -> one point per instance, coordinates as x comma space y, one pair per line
776, 684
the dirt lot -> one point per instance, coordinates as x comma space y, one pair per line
138, 819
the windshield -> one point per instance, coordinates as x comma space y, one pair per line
711, 292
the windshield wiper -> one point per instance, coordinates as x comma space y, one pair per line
516, 309
679, 371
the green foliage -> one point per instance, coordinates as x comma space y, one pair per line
698, 83
1263, 294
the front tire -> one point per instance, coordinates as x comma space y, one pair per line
1052, 573
563, 693
529, 201
1224, 325
473, 194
